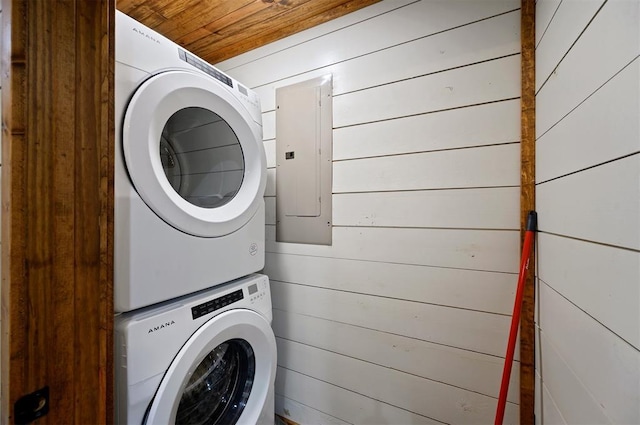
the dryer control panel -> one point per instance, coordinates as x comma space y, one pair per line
205, 67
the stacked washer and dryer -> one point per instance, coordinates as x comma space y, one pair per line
193, 337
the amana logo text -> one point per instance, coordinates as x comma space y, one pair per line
144, 34
163, 325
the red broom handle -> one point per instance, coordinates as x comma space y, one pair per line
532, 223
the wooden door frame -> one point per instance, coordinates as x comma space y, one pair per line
57, 207
527, 203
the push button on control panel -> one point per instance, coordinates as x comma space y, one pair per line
216, 304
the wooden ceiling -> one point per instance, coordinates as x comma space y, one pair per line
217, 30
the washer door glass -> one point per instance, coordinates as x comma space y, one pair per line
223, 374
201, 157
219, 388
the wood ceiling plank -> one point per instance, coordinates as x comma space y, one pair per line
240, 23
219, 29
268, 21
147, 15
247, 18
165, 8
222, 22
197, 17
299, 19
172, 8
193, 36
127, 6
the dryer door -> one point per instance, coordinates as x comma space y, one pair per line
222, 375
194, 154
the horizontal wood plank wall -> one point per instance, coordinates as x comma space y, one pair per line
588, 191
404, 319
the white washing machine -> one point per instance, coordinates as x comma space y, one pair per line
207, 358
190, 172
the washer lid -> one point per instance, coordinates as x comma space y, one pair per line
218, 356
194, 154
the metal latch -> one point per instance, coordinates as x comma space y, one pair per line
32, 406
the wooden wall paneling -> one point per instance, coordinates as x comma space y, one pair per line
433, 399
612, 113
604, 49
527, 203
270, 188
469, 289
460, 46
588, 285
573, 400
53, 149
474, 84
487, 166
537, 408
269, 125
347, 405
14, 122
466, 329
599, 204
585, 278
487, 124
550, 414
287, 408
95, 43
569, 20
610, 373
57, 197
450, 49
426, 18
270, 210
545, 9
488, 250
493, 208
438, 267
270, 152
461, 368
538, 382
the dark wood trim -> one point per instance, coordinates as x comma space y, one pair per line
57, 204
527, 203
286, 421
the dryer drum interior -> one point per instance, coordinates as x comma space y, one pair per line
218, 389
202, 157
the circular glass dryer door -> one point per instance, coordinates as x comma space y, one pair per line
194, 154
222, 375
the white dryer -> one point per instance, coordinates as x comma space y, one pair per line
207, 358
190, 172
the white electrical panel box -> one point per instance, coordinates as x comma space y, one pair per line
304, 125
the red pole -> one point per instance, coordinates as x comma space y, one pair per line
532, 224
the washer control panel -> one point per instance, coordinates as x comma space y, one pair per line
257, 291
216, 304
